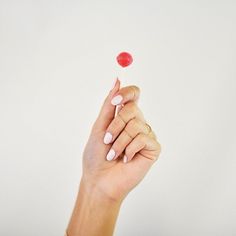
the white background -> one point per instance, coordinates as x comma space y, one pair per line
57, 63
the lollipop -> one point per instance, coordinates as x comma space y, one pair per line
124, 59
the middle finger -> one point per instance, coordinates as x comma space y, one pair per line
127, 113
131, 130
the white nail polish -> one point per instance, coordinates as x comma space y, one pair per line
125, 159
116, 100
114, 83
107, 138
110, 155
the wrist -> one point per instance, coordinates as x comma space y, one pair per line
95, 190
93, 207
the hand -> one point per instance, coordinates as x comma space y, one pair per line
118, 154
121, 149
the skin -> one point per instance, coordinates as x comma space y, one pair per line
105, 184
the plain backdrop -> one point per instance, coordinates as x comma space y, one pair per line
57, 63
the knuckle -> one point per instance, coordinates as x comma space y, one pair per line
159, 148
156, 157
118, 145
157, 151
133, 123
133, 126
129, 151
131, 107
136, 90
142, 137
153, 135
117, 122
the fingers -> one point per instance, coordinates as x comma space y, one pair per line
126, 94
127, 113
145, 145
107, 111
131, 130
116, 97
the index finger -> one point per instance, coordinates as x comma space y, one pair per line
126, 94
107, 111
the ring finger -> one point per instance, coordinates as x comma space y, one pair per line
126, 114
131, 130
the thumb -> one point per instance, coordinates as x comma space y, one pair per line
107, 111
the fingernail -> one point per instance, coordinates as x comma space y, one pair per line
107, 138
110, 155
114, 83
116, 100
125, 159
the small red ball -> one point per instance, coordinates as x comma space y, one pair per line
124, 59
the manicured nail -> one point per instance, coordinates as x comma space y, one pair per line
114, 83
125, 159
116, 100
110, 155
107, 138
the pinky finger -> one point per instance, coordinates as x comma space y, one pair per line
142, 143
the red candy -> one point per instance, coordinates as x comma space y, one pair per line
124, 59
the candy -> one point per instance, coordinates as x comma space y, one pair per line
124, 59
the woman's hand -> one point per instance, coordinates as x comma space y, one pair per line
118, 154
121, 148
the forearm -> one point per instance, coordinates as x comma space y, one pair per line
94, 214
109, 178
